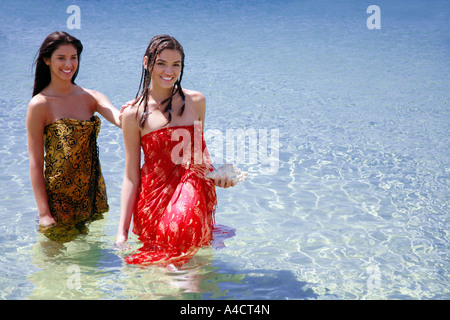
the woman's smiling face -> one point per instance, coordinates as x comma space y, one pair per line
167, 68
64, 62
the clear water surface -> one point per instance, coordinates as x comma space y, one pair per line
355, 203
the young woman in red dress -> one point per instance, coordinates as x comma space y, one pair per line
170, 199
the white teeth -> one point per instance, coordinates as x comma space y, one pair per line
167, 79
66, 71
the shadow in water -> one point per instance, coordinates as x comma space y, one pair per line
258, 285
88, 268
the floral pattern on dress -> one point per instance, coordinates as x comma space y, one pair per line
74, 183
174, 213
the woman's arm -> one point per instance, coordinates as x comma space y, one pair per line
132, 177
35, 122
199, 104
105, 108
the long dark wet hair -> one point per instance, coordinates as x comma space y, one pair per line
156, 46
51, 43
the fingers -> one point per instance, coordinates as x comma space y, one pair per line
45, 227
225, 182
128, 104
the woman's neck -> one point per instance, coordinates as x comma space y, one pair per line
60, 88
159, 94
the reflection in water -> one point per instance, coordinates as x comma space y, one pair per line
89, 268
69, 270
85, 269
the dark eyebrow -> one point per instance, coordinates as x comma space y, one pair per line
162, 60
63, 55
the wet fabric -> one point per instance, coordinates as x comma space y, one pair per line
174, 213
73, 179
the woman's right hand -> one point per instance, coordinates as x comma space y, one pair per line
47, 221
121, 242
121, 238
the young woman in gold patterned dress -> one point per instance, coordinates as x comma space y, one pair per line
62, 135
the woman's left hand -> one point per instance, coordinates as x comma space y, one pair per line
224, 182
126, 105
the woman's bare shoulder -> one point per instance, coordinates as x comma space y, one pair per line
38, 103
195, 96
196, 99
131, 113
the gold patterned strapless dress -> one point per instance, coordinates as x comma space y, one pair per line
74, 182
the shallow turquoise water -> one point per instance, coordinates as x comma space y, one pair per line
355, 203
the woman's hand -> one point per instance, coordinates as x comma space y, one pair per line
47, 221
227, 176
126, 105
121, 238
224, 182
121, 243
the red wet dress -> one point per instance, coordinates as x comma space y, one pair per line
174, 212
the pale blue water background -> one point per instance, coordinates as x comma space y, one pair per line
359, 206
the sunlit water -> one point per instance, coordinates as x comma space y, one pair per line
357, 206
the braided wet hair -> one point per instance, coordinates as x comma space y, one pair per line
156, 46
